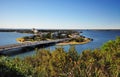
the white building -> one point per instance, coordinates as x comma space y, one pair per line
35, 31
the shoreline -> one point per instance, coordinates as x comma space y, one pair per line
75, 43
87, 40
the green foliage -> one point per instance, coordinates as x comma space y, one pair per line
48, 35
79, 39
72, 54
14, 68
58, 61
103, 62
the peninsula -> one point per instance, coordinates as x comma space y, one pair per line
75, 37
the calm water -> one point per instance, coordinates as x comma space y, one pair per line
99, 38
10, 37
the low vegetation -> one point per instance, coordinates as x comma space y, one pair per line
103, 62
79, 39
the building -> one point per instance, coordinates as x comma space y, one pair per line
35, 31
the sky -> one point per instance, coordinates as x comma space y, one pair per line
60, 14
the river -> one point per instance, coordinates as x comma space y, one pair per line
99, 38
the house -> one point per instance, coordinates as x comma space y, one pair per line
35, 31
74, 36
64, 35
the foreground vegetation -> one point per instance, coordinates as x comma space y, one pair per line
103, 62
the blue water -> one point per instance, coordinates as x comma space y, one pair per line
10, 37
99, 38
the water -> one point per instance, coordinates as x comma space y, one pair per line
99, 38
10, 37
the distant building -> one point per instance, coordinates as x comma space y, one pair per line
43, 34
35, 31
54, 35
74, 36
64, 35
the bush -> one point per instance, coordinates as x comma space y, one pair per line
103, 62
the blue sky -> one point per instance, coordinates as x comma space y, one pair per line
60, 14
